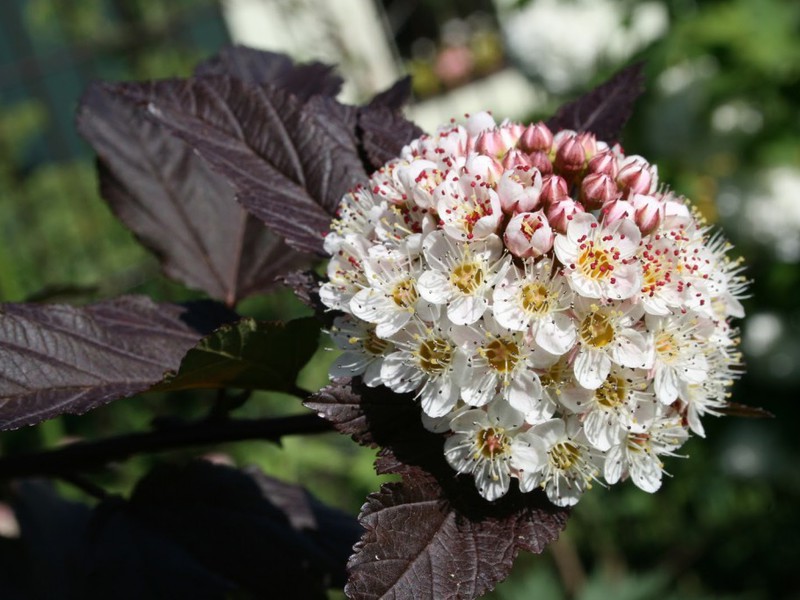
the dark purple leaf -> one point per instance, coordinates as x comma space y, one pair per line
176, 205
306, 286
289, 168
421, 544
271, 538
605, 109
395, 96
434, 536
62, 359
261, 66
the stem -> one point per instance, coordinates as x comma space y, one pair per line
81, 456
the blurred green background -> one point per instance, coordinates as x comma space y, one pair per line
721, 118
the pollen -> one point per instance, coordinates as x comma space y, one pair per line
467, 277
502, 355
491, 442
405, 293
564, 455
434, 355
596, 330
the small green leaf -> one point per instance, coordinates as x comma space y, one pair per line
249, 354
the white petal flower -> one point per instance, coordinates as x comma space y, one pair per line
363, 351
600, 261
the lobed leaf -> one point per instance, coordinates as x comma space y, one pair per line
248, 354
62, 359
605, 109
176, 205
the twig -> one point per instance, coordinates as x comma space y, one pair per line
83, 456
570, 568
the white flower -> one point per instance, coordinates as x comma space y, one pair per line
637, 453
461, 275
571, 464
363, 350
500, 362
606, 336
468, 207
489, 445
619, 405
536, 300
600, 261
679, 345
428, 362
345, 271
391, 298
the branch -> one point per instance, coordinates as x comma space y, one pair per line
83, 456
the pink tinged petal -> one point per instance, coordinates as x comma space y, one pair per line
627, 281
666, 384
479, 122
466, 309
615, 464
525, 391
398, 374
434, 286
566, 251
627, 237
630, 349
602, 429
581, 226
591, 368
588, 288
485, 226
556, 333
438, 397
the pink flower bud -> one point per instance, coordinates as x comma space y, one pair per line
649, 212
491, 143
589, 143
519, 189
540, 160
537, 137
570, 158
604, 162
554, 189
635, 176
529, 234
616, 210
598, 189
515, 158
561, 212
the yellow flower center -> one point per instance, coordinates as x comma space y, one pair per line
612, 392
373, 344
405, 294
595, 263
434, 355
666, 347
502, 355
535, 298
467, 277
491, 442
563, 455
596, 330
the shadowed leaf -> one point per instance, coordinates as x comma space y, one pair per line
605, 109
289, 168
261, 66
176, 205
62, 359
248, 354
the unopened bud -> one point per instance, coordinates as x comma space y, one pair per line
529, 235
541, 160
597, 189
519, 189
491, 143
554, 189
570, 158
589, 143
537, 137
635, 176
560, 213
604, 162
515, 158
616, 210
649, 212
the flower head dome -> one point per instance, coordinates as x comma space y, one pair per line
557, 311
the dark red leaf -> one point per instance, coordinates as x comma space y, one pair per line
61, 359
420, 544
395, 96
176, 205
261, 66
605, 109
289, 167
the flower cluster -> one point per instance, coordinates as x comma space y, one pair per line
562, 316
